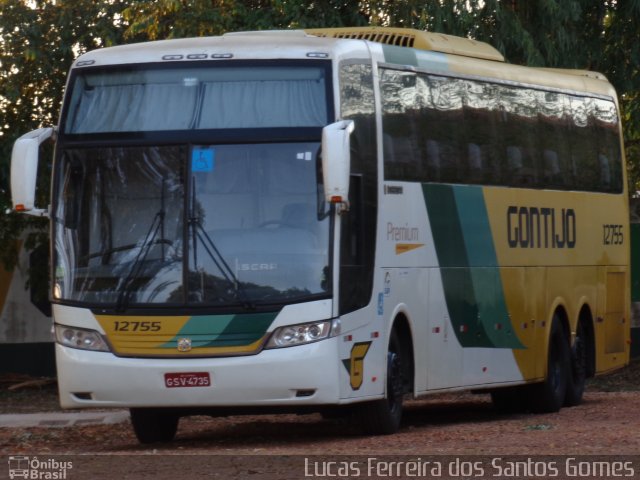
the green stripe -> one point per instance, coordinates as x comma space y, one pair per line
452, 258
432, 61
474, 220
483, 263
224, 330
469, 266
399, 55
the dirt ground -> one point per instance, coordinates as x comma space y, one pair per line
607, 423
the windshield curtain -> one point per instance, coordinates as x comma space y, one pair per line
218, 97
201, 225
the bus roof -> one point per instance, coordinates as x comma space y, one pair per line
281, 44
405, 47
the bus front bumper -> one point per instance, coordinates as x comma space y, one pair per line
303, 375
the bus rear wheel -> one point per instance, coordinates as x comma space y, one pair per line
549, 396
152, 425
578, 371
382, 417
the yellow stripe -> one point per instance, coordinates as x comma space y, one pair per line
140, 336
211, 351
538, 276
407, 247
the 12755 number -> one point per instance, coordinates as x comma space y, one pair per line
133, 326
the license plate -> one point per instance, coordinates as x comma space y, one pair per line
187, 379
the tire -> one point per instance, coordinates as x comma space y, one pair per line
577, 378
383, 417
154, 425
549, 396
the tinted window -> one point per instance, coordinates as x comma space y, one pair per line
357, 249
442, 129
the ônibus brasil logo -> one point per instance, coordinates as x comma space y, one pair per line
34, 468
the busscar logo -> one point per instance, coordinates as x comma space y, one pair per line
184, 344
37, 469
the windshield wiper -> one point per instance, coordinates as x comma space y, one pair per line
128, 285
157, 225
199, 233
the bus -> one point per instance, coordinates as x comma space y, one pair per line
330, 221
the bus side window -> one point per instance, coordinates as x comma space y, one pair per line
553, 134
605, 172
603, 122
433, 160
443, 118
583, 145
552, 174
481, 120
514, 162
474, 159
359, 223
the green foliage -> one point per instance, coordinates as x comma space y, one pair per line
191, 18
38, 42
40, 38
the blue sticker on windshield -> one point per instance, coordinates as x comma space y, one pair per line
202, 159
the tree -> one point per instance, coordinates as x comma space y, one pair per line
38, 42
189, 18
620, 60
40, 38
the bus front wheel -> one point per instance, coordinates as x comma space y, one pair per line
382, 417
154, 425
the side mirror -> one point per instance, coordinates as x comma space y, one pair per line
336, 161
24, 171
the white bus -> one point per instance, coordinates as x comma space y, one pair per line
330, 221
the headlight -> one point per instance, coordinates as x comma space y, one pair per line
80, 338
299, 334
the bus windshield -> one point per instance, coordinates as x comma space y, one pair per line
198, 225
170, 98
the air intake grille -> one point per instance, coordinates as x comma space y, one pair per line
418, 39
400, 40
